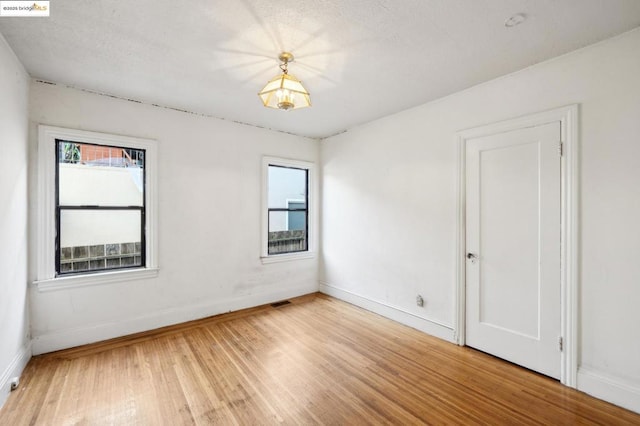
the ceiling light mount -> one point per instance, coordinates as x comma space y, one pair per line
286, 57
285, 91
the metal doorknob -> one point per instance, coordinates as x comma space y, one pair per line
471, 256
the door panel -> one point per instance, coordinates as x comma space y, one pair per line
513, 230
508, 176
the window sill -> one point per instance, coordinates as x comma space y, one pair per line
275, 258
75, 281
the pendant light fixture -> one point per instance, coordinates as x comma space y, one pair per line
285, 91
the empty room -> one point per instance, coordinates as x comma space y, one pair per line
319, 212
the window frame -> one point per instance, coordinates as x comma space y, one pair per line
46, 222
311, 216
99, 207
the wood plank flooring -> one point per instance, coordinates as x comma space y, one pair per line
315, 361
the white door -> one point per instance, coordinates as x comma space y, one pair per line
513, 245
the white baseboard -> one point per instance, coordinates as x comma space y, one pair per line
14, 369
613, 389
69, 338
392, 312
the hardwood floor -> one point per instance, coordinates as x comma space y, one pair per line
315, 361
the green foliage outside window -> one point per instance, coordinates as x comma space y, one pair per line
70, 152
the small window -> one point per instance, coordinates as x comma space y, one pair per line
287, 207
96, 208
100, 207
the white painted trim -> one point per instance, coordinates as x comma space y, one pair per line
72, 337
426, 325
460, 300
287, 257
568, 117
45, 217
45, 208
570, 248
617, 390
75, 281
312, 217
14, 369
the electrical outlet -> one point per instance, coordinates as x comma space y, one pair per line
419, 301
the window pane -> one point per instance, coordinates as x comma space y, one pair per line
287, 185
100, 175
285, 237
277, 221
92, 240
296, 221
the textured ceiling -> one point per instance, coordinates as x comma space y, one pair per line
360, 59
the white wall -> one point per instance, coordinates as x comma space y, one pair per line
99, 185
14, 317
209, 181
95, 227
389, 204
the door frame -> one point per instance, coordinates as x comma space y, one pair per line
568, 117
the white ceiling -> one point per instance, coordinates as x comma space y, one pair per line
360, 59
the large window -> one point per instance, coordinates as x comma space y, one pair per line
100, 207
287, 207
96, 216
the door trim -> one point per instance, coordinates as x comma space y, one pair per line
568, 117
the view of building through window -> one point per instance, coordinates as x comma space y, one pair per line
100, 205
288, 189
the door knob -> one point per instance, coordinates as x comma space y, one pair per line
471, 256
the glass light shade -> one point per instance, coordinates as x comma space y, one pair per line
285, 92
